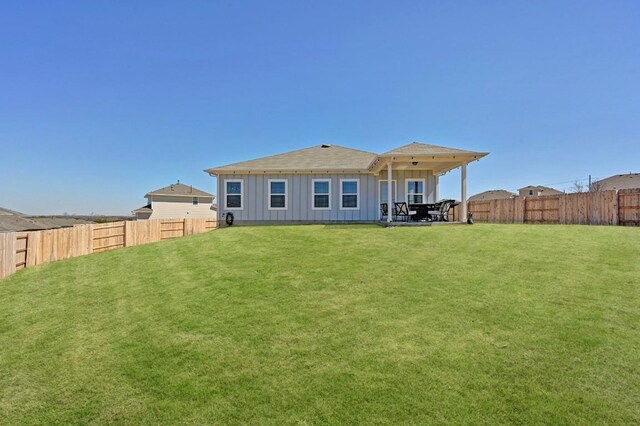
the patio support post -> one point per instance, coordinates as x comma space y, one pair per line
463, 192
437, 179
389, 193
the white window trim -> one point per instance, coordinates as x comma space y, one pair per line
357, 194
226, 207
395, 187
286, 194
196, 199
424, 188
313, 194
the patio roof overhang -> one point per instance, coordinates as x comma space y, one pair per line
439, 164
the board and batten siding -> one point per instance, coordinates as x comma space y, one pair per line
401, 177
255, 208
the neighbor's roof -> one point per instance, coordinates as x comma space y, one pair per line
143, 209
180, 190
626, 181
7, 212
47, 222
541, 188
417, 149
493, 194
15, 222
319, 158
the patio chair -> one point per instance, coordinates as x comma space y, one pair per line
434, 210
384, 210
442, 213
402, 210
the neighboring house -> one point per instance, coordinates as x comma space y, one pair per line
494, 194
12, 221
537, 191
627, 181
330, 183
177, 201
7, 212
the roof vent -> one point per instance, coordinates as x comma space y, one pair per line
325, 145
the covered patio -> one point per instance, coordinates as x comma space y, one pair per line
422, 157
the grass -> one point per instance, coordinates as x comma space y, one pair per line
489, 324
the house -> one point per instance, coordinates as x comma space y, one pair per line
537, 191
330, 183
177, 201
494, 194
626, 181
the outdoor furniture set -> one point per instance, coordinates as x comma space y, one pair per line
428, 212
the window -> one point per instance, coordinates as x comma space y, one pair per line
415, 191
383, 188
321, 194
531, 192
349, 194
233, 193
195, 201
277, 194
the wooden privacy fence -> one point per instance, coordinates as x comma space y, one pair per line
20, 250
591, 208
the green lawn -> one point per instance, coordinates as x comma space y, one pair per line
337, 324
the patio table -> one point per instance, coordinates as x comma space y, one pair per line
422, 210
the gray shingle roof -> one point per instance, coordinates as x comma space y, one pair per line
7, 212
493, 194
626, 181
180, 189
11, 221
144, 209
321, 158
547, 189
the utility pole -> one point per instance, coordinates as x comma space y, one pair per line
589, 188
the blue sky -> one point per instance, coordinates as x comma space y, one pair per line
101, 102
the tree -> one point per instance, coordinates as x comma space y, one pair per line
578, 187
